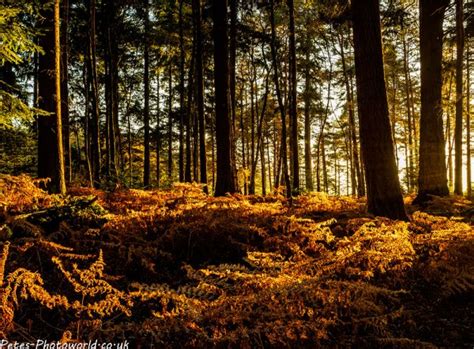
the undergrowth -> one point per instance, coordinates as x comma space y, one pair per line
181, 269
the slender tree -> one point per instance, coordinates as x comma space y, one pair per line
225, 181
283, 157
93, 87
158, 131
384, 197
468, 123
308, 159
181, 93
65, 88
61, 184
295, 166
146, 111
200, 123
432, 178
459, 98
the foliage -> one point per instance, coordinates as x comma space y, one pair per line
17, 45
15, 36
181, 269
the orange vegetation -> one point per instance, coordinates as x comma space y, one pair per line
180, 269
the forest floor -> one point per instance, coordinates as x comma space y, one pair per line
180, 269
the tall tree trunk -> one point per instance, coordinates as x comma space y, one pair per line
65, 89
48, 151
225, 181
253, 117
146, 111
449, 139
130, 150
94, 125
294, 151
320, 151
111, 88
181, 94
189, 116
170, 121
459, 97
201, 122
308, 158
158, 132
232, 83
432, 166
87, 138
468, 124
406, 71
263, 170
384, 196
276, 81
61, 184
242, 136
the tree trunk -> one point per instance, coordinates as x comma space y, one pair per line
384, 197
170, 122
283, 147
294, 151
468, 124
158, 132
61, 183
459, 98
225, 181
65, 89
181, 94
232, 84
111, 87
87, 138
263, 170
146, 111
94, 125
189, 115
308, 158
200, 91
242, 136
48, 150
432, 166
410, 159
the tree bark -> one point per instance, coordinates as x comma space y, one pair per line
294, 152
170, 122
459, 98
200, 92
225, 181
158, 132
384, 197
308, 158
189, 116
65, 89
432, 166
146, 111
48, 125
61, 184
94, 124
410, 159
468, 124
181, 94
